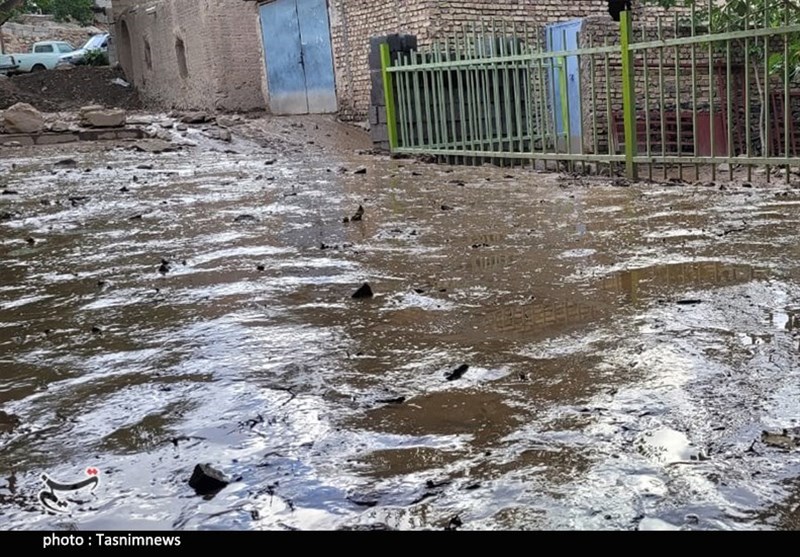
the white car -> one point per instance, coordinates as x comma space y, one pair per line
44, 55
96, 42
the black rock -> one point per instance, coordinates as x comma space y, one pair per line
457, 373
261, 268
446, 208
165, 267
689, 302
8, 422
136, 217
10, 192
145, 167
66, 162
455, 523
207, 480
360, 170
124, 189
31, 241
270, 162
359, 214
396, 400
97, 330
364, 292
245, 219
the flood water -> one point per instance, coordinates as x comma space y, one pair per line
626, 347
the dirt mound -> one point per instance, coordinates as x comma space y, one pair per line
63, 90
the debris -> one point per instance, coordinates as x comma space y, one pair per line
245, 219
457, 373
364, 292
786, 439
196, 118
121, 82
23, 118
455, 523
207, 480
396, 400
8, 422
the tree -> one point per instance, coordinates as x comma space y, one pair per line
63, 10
740, 15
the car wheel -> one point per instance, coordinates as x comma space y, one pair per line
38, 68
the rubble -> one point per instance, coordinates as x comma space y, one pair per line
23, 118
101, 117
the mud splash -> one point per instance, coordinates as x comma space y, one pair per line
625, 347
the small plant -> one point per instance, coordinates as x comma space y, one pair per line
96, 58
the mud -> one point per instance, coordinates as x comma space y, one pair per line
62, 90
621, 361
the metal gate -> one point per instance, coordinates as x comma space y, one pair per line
297, 50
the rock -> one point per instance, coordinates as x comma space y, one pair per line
446, 208
165, 267
786, 439
359, 214
245, 219
220, 134
360, 170
689, 302
207, 480
395, 400
261, 268
66, 162
97, 330
457, 373
455, 523
196, 118
8, 422
23, 118
364, 292
104, 118
59, 127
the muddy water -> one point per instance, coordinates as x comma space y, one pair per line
626, 346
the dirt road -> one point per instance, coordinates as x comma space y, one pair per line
540, 351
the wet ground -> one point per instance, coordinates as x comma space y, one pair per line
626, 346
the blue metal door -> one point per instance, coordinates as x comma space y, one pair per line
565, 91
297, 49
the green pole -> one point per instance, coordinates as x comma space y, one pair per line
388, 91
628, 97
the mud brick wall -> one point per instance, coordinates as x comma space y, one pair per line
353, 24
192, 54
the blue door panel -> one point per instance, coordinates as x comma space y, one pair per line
562, 37
285, 77
317, 56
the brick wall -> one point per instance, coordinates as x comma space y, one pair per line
221, 46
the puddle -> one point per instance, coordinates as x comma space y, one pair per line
622, 357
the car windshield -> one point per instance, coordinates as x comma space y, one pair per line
95, 42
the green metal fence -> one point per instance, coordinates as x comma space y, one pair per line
672, 98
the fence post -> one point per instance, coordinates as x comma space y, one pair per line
628, 97
388, 91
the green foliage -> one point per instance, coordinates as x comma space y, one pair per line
63, 10
96, 58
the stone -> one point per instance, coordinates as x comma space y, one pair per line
59, 127
23, 118
221, 134
104, 118
207, 480
457, 373
364, 292
195, 118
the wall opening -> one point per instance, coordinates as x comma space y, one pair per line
125, 52
148, 55
180, 52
